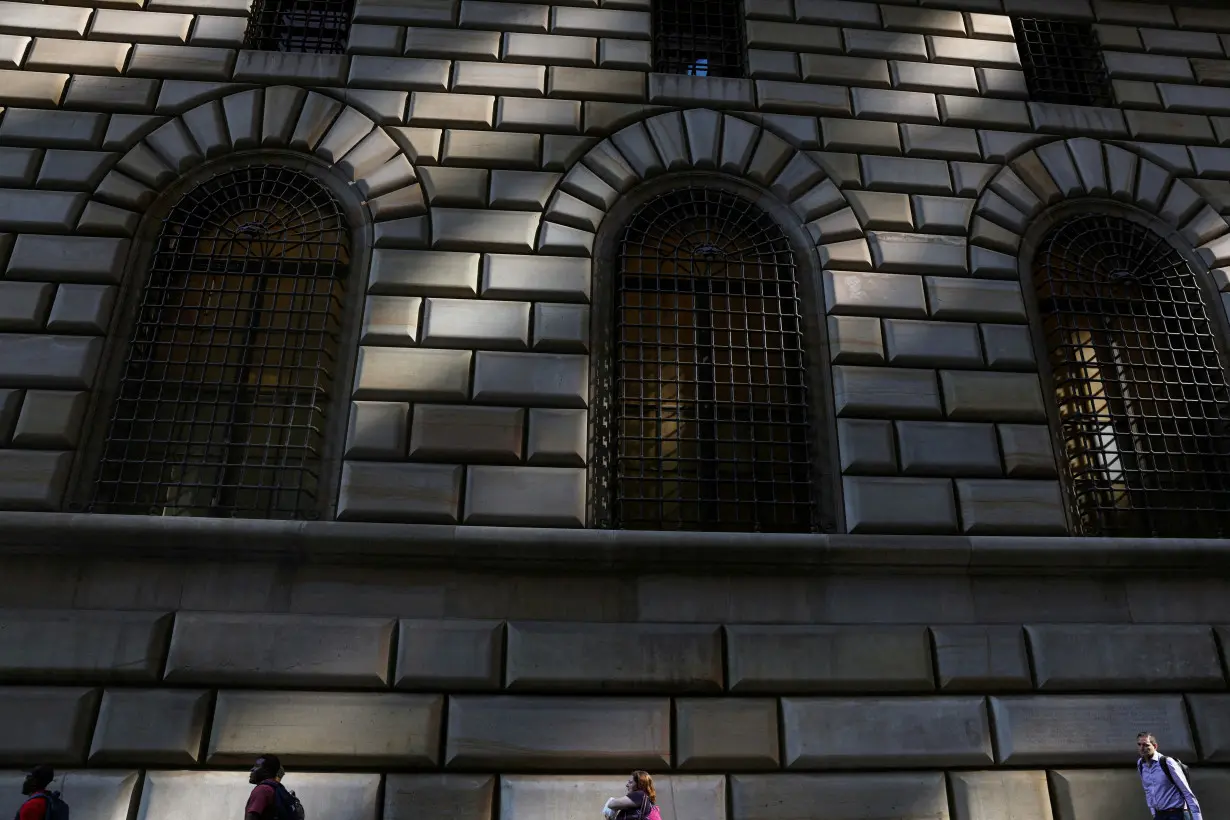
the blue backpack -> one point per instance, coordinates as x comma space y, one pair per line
286, 805
57, 809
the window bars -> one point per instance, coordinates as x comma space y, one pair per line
1139, 382
711, 417
1062, 61
703, 39
221, 407
313, 26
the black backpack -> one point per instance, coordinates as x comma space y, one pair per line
286, 805
57, 809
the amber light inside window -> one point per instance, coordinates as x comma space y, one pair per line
221, 407
711, 420
1139, 382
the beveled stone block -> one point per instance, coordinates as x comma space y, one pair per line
981, 658
731, 733
150, 726
82, 645
449, 655
416, 493
828, 659
188, 795
93, 795
451, 796
525, 496
324, 728
1001, 796
1084, 657
1084, 729
269, 649
465, 434
47, 724
1211, 717
892, 796
545, 656
681, 797
1099, 793
841, 733
558, 733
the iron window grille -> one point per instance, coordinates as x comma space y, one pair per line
1062, 61
711, 421
1139, 382
702, 38
312, 26
221, 407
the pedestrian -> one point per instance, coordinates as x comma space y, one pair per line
41, 804
1165, 780
639, 802
269, 799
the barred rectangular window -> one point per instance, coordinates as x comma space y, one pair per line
1062, 61
310, 26
702, 39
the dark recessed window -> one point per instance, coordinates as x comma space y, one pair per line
704, 39
1138, 380
221, 407
1062, 61
710, 418
313, 26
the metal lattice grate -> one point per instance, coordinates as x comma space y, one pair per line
312, 26
1139, 382
712, 421
1062, 61
704, 39
221, 407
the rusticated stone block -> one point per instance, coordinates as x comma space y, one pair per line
567, 733
150, 726
279, 650
82, 645
1211, 717
451, 796
1135, 657
614, 657
898, 795
1081, 794
981, 658
828, 659
452, 655
1001, 796
51, 725
322, 728
1084, 729
840, 733
93, 795
681, 797
211, 795
375, 491
715, 733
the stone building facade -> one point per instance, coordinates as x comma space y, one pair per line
819, 403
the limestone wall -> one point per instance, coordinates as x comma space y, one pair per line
543, 718
482, 144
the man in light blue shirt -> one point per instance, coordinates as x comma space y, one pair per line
1166, 789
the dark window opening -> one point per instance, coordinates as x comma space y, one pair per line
711, 414
221, 407
312, 26
703, 39
1140, 386
1062, 61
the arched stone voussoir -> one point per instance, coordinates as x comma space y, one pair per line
281, 118
702, 140
1085, 168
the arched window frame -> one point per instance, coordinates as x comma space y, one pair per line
1031, 242
143, 245
826, 473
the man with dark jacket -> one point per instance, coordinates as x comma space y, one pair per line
262, 802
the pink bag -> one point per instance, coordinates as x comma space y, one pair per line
654, 814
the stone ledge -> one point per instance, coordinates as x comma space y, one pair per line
588, 550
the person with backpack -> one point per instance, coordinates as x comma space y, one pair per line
1165, 780
270, 800
640, 802
41, 804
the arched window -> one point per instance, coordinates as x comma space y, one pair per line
1139, 384
221, 407
711, 416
